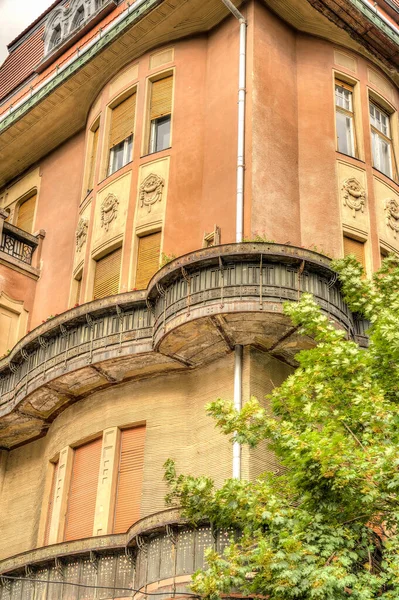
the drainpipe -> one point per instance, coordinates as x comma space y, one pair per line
238, 358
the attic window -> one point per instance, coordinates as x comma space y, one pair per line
78, 18
55, 38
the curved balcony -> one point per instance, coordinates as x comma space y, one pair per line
195, 310
158, 553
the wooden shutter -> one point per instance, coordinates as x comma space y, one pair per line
122, 120
130, 478
51, 503
354, 247
148, 259
93, 156
161, 97
78, 290
106, 279
26, 212
83, 491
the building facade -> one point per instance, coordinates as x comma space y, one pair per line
130, 295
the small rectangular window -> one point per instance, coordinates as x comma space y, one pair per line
381, 142
26, 213
344, 116
93, 157
121, 134
148, 259
54, 467
160, 114
355, 247
106, 278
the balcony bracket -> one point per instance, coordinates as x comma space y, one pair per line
94, 560
172, 534
261, 283
59, 567
141, 543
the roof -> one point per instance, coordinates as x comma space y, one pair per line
20, 63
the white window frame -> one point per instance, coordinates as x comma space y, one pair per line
348, 113
378, 135
153, 138
126, 158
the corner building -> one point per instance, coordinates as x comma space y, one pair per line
130, 297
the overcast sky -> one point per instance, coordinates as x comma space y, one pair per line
15, 16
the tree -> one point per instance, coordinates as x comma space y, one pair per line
326, 526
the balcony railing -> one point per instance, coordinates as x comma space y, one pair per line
18, 243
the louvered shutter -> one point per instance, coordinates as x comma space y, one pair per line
90, 183
26, 214
83, 491
130, 478
354, 247
148, 259
51, 503
78, 290
161, 98
122, 120
106, 279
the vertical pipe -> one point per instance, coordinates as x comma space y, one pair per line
238, 357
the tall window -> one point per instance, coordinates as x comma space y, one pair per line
148, 258
83, 491
78, 18
344, 117
106, 278
93, 156
51, 502
381, 140
130, 477
160, 114
26, 213
121, 134
55, 38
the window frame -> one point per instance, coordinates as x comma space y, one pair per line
107, 156
348, 113
125, 160
147, 137
388, 138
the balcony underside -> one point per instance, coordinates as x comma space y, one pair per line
196, 309
160, 552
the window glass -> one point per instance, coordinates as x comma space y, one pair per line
120, 155
380, 140
160, 134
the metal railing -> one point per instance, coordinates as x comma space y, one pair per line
18, 243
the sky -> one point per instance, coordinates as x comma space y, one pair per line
15, 16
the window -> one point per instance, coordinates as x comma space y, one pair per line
78, 287
55, 38
160, 114
83, 491
355, 247
121, 134
344, 117
93, 156
106, 278
381, 140
26, 213
78, 18
8, 329
130, 477
148, 258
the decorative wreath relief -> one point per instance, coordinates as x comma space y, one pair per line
392, 213
151, 190
109, 210
81, 233
354, 195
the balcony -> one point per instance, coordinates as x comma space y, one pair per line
19, 248
195, 310
158, 553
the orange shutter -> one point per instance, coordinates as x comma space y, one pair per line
83, 491
26, 214
93, 156
106, 279
130, 478
354, 247
51, 503
148, 259
122, 120
161, 97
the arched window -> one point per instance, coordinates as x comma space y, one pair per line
78, 18
55, 38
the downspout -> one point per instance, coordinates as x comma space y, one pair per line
238, 351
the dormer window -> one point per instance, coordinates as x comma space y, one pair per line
55, 38
78, 18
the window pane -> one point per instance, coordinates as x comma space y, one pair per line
379, 119
343, 98
162, 133
345, 140
381, 154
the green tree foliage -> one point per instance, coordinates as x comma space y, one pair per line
326, 526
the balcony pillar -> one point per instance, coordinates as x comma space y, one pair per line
41, 234
3, 216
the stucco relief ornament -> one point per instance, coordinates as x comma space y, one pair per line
151, 190
392, 210
81, 234
354, 195
109, 210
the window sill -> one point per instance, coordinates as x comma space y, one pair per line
156, 152
351, 157
390, 180
117, 173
